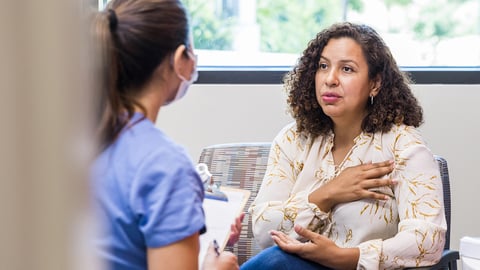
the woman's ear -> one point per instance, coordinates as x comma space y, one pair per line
376, 83
180, 62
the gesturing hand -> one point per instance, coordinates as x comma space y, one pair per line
353, 184
319, 249
235, 230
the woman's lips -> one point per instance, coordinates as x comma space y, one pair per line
330, 98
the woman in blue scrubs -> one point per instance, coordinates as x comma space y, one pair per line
145, 187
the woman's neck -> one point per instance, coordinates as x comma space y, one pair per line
153, 95
345, 133
151, 102
344, 140
157, 90
347, 128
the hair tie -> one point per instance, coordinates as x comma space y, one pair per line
112, 19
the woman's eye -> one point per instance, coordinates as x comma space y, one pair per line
347, 69
322, 66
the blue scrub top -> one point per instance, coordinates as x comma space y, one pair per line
146, 194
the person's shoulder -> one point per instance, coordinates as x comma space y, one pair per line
289, 134
404, 129
152, 150
402, 132
145, 139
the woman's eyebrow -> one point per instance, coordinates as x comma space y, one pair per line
343, 61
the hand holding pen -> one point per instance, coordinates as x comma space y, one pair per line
219, 260
216, 247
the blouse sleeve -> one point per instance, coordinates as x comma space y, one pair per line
275, 207
419, 197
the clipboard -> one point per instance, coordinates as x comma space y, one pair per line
219, 216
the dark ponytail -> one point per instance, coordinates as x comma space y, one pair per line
132, 37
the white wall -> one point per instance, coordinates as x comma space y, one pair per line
452, 118
212, 114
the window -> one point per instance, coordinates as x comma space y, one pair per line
274, 32
234, 36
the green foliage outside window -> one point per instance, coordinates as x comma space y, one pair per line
211, 30
286, 27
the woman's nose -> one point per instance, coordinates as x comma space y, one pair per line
332, 78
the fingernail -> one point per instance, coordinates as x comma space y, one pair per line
394, 181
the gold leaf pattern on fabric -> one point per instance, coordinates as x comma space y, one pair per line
406, 229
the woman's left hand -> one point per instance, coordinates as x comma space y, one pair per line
315, 249
319, 249
235, 230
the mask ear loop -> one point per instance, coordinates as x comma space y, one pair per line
194, 57
190, 55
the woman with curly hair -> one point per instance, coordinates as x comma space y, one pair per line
351, 183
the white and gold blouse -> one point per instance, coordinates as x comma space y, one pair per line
406, 230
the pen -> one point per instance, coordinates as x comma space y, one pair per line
216, 247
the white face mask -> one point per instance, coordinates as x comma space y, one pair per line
185, 84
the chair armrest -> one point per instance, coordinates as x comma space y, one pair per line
448, 261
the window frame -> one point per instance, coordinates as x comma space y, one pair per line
274, 75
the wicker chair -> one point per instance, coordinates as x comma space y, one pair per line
243, 165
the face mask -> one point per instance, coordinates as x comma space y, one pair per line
185, 84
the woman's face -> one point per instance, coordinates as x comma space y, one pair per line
341, 82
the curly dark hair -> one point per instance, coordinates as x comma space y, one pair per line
394, 104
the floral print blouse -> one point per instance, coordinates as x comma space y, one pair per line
406, 230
